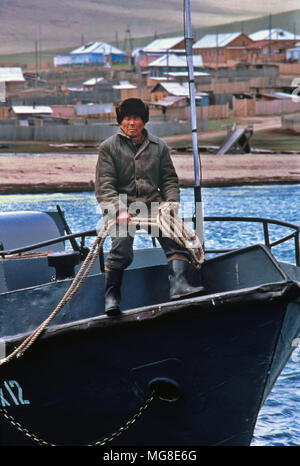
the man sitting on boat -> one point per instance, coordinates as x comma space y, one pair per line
135, 167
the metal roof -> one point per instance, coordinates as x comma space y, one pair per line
159, 45
176, 61
30, 109
276, 34
168, 101
278, 95
216, 40
11, 74
124, 85
169, 60
98, 47
179, 89
284, 95
92, 81
159, 78
186, 73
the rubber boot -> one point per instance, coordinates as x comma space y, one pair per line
112, 293
179, 286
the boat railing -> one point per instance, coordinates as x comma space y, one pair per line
266, 222
295, 234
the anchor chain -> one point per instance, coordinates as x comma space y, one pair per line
128, 424
22, 429
103, 442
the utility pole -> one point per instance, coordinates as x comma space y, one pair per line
138, 65
36, 62
168, 76
128, 40
270, 34
217, 51
39, 48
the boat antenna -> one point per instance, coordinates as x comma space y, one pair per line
197, 162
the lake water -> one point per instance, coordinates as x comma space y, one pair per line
279, 420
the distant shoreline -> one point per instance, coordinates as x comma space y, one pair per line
49, 173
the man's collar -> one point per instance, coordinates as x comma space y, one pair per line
121, 133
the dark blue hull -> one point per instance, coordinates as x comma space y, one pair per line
191, 372
213, 360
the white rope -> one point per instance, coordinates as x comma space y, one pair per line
169, 224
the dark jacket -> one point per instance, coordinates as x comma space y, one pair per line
146, 175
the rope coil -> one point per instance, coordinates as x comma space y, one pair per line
169, 224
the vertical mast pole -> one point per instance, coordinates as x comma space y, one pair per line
197, 188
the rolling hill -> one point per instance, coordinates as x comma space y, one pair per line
65, 24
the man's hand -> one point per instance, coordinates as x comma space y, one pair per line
170, 207
123, 218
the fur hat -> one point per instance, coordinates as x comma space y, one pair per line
132, 106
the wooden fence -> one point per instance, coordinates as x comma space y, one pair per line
250, 107
289, 68
244, 107
276, 107
211, 112
230, 86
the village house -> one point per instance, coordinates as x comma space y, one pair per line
174, 89
170, 101
29, 115
270, 45
11, 81
170, 107
92, 83
172, 63
128, 90
93, 53
158, 48
276, 34
268, 51
220, 49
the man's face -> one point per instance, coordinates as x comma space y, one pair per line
133, 127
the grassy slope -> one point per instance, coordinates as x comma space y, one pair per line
61, 26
